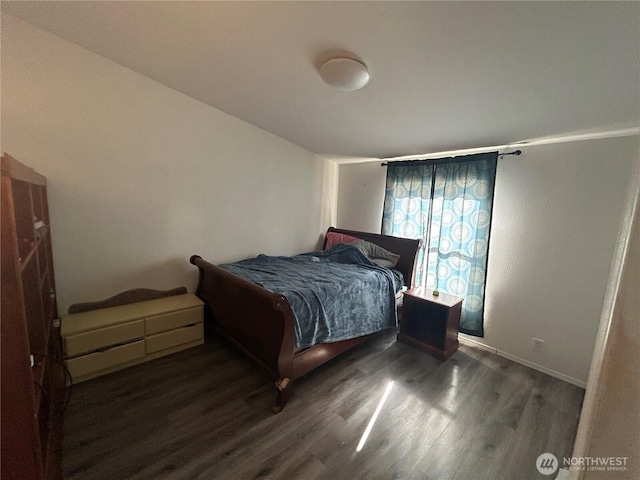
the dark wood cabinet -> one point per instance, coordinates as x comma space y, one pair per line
32, 372
430, 322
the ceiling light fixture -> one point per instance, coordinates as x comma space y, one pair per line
344, 73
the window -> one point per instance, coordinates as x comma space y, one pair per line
447, 203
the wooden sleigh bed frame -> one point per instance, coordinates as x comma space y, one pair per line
260, 323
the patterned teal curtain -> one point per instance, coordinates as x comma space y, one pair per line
406, 206
447, 203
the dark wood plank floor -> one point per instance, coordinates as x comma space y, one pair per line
205, 413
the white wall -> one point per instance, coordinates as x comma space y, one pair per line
609, 419
141, 176
556, 218
361, 196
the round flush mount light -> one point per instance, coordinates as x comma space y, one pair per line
344, 73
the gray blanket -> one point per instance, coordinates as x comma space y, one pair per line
335, 295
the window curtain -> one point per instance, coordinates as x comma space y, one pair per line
446, 203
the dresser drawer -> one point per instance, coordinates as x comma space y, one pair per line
103, 337
97, 361
104, 340
173, 320
165, 340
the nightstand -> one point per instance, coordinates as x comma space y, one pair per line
431, 322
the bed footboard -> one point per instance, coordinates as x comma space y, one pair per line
255, 320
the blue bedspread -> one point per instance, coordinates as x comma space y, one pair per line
335, 295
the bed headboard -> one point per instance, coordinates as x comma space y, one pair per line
405, 247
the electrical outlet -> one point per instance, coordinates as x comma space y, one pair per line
538, 345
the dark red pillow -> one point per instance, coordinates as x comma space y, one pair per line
334, 237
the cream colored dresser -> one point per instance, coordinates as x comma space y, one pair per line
109, 339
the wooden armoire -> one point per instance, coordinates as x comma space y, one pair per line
32, 381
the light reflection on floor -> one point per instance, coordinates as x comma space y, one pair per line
367, 430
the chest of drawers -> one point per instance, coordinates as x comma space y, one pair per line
109, 339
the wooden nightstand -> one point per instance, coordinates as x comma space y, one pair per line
430, 322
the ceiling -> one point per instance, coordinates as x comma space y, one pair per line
444, 75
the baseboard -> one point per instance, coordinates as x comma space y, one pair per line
478, 345
472, 343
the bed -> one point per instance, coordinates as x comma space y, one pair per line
261, 322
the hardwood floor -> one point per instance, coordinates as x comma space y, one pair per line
205, 413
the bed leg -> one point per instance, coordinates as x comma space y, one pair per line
284, 386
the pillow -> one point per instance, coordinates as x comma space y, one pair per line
377, 254
333, 238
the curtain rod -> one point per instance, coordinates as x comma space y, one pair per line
384, 164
